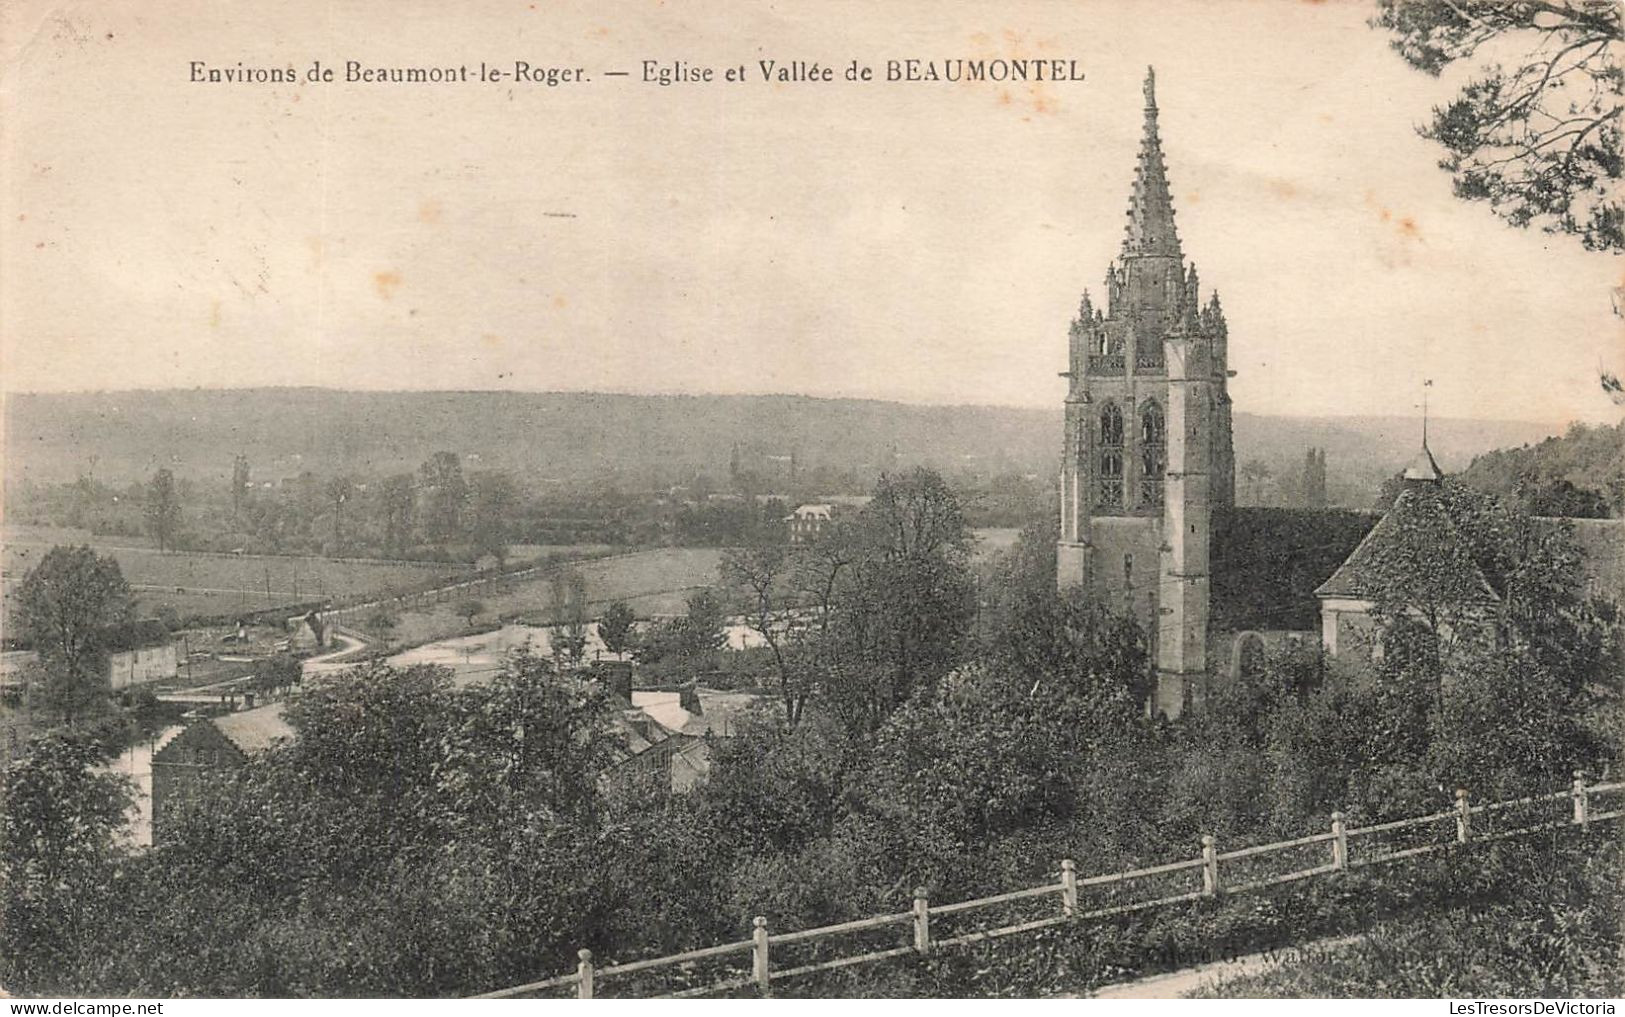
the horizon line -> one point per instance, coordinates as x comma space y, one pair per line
659, 394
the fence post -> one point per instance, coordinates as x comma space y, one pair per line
1340, 843
922, 921
584, 974
1582, 807
759, 954
1210, 866
1069, 887
1463, 831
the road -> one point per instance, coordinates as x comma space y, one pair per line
1179, 984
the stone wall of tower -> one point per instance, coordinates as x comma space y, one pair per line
1187, 526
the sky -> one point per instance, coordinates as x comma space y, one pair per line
921, 242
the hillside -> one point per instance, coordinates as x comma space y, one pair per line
637, 439
1580, 473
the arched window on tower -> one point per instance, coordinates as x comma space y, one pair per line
1109, 487
1153, 453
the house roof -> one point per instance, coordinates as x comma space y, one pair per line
254, 730
1418, 531
720, 712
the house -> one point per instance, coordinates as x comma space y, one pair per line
209, 749
808, 521
137, 653
698, 717
644, 750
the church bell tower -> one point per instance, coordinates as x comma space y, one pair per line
1147, 453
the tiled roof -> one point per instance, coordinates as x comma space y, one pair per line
1419, 528
254, 730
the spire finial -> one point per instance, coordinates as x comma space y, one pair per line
1424, 468
1150, 229
1427, 383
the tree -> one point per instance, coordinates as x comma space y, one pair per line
445, 495
274, 674
163, 509
60, 817
64, 606
396, 504
470, 609
704, 627
1536, 133
339, 492
1563, 499
381, 622
1255, 474
493, 501
239, 485
759, 577
899, 599
615, 627
568, 636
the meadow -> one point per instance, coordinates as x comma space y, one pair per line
209, 584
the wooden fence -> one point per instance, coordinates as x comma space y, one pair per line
1403, 838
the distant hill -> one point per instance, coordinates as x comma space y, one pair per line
1580, 473
634, 440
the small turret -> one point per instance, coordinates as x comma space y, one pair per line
1213, 317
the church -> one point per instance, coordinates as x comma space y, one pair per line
1148, 453
1148, 520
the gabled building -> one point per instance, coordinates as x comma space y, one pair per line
1416, 546
209, 749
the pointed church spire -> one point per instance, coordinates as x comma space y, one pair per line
1424, 468
1150, 229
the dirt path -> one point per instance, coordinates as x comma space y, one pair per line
1178, 984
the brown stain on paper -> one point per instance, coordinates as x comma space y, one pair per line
386, 283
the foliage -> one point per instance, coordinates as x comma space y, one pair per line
1536, 132
1557, 937
470, 609
65, 606
761, 579
443, 495
568, 635
278, 673
894, 597
1580, 474
615, 627
59, 825
163, 509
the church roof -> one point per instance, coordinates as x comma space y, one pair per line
1150, 229
1416, 543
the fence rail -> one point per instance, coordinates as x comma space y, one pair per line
1211, 862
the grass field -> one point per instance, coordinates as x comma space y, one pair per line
215, 584
655, 582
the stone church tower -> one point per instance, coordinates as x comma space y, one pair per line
1148, 453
